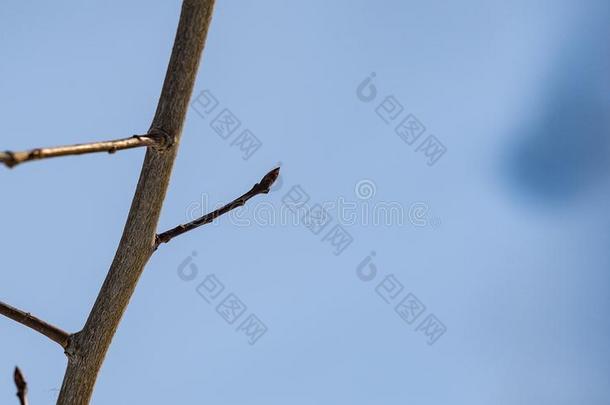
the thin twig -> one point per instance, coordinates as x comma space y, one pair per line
261, 187
22, 386
27, 319
12, 159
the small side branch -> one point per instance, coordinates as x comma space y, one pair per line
261, 187
25, 318
22, 387
154, 138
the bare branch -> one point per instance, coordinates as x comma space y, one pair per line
155, 138
22, 386
29, 320
87, 348
261, 187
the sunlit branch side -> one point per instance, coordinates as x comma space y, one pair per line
155, 139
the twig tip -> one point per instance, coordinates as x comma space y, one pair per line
19, 379
270, 178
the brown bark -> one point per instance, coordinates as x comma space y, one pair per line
87, 348
25, 318
12, 159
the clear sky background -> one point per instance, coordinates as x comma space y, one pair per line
510, 249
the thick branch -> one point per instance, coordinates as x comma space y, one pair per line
88, 348
261, 187
27, 319
22, 386
12, 159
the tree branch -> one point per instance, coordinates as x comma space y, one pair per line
25, 318
261, 187
87, 348
157, 139
22, 386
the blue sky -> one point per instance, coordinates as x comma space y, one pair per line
504, 239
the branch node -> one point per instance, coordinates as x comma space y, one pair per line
164, 140
35, 154
10, 159
71, 349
